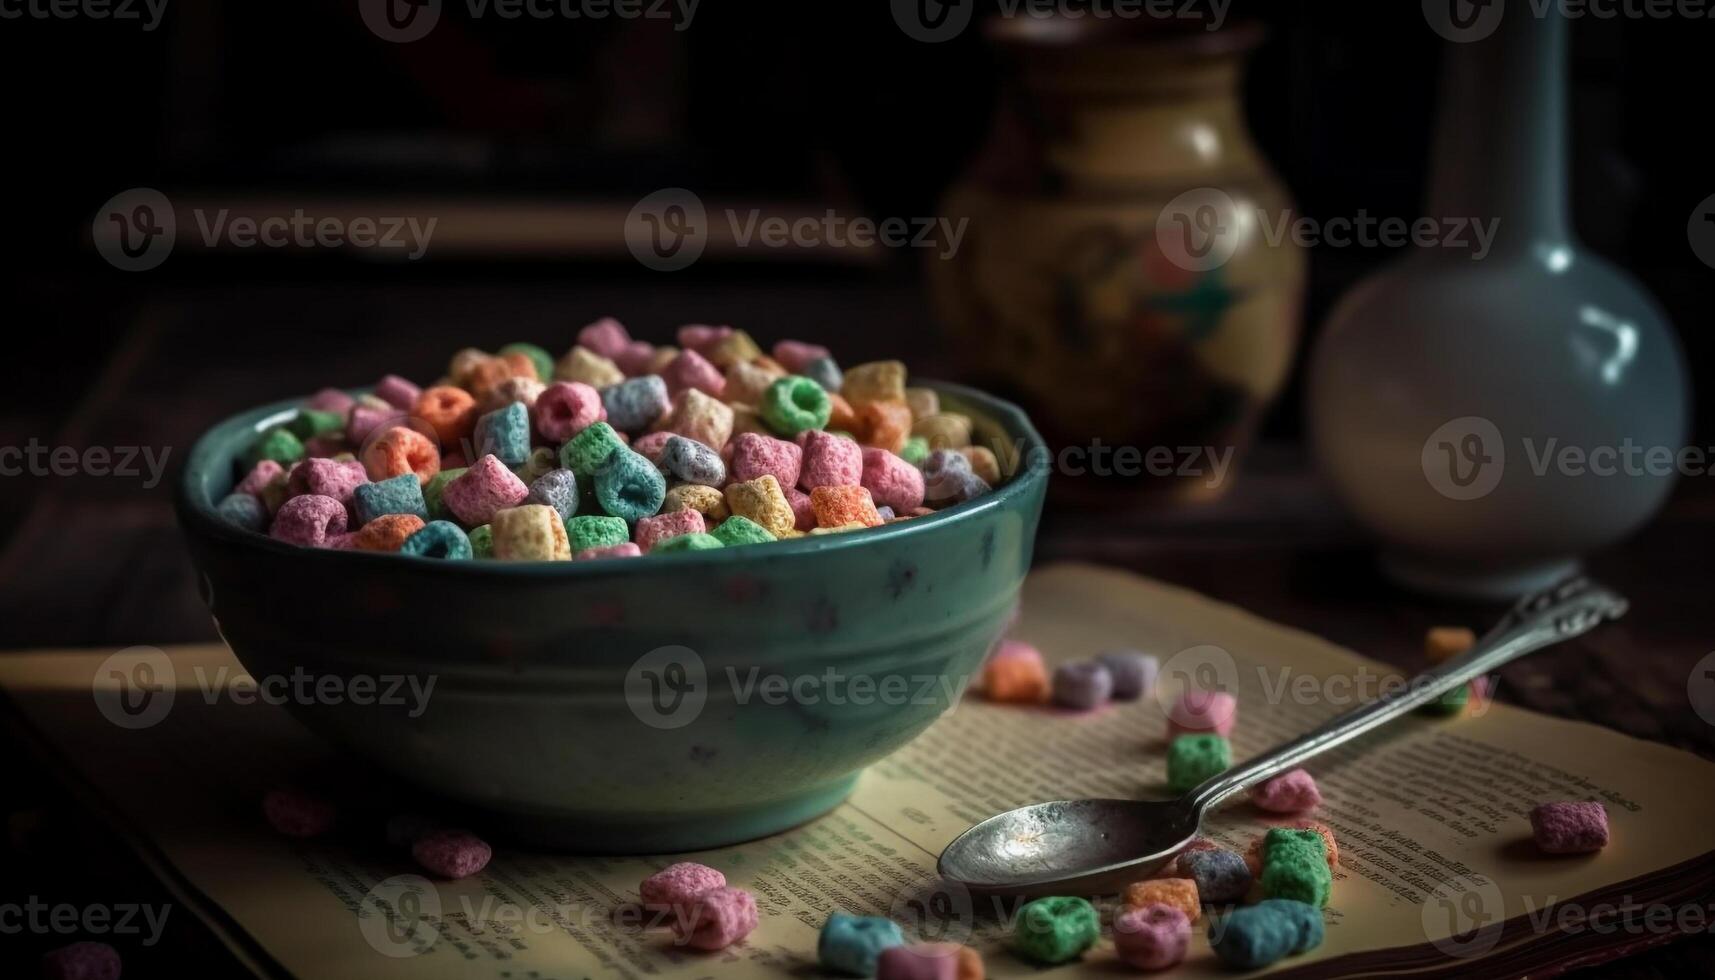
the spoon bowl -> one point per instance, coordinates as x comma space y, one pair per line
1081, 846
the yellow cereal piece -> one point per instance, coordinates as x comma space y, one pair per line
877, 381
850, 526
662, 357
707, 501
695, 415
762, 501
1443, 643
583, 364
943, 430
734, 348
983, 463
924, 402
745, 383
532, 532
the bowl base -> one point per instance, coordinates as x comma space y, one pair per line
1464, 582
589, 833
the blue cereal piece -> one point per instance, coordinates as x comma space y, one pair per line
689, 461
439, 539
1221, 876
557, 489
243, 510
400, 494
635, 403
850, 944
1306, 919
1254, 936
825, 372
504, 433
628, 486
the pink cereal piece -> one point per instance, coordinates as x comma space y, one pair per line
653, 530
678, 884
692, 370
1571, 827
625, 549
635, 357
81, 961
487, 486
700, 337
651, 446
327, 477
929, 961
297, 814
754, 454
330, 400
311, 519
1290, 792
793, 355
367, 420
832, 461
566, 408
1199, 711
891, 481
452, 853
719, 917
1152, 937
259, 476
326, 444
607, 337
398, 392
803, 510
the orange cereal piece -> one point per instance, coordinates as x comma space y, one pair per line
385, 533
983, 463
1179, 893
843, 418
1015, 680
877, 381
885, 424
1443, 643
522, 366
837, 506
485, 375
450, 411
400, 450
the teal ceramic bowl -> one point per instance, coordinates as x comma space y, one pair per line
664, 703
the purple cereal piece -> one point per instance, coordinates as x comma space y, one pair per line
486, 487
311, 520
259, 476
607, 337
328, 478
1153, 937
1293, 791
367, 420
719, 918
81, 961
624, 549
1221, 875
452, 853
803, 511
297, 814
330, 400
1133, 672
635, 357
677, 885
398, 392
886, 512
1082, 686
1572, 827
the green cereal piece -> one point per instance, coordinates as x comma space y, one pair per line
1055, 930
687, 542
593, 531
482, 541
793, 404
1295, 866
1448, 704
277, 444
312, 422
584, 453
543, 360
540, 461
737, 530
1191, 759
435, 487
629, 486
915, 450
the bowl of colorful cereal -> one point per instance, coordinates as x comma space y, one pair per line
668, 598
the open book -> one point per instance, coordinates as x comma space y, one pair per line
1437, 873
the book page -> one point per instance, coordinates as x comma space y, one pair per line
1435, 857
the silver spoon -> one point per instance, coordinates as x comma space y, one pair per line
1073, 847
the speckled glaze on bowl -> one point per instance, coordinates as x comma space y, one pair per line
626, 705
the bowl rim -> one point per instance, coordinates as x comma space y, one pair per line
197, 515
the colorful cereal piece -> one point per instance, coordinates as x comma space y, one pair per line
487, 486
541, 360
636, 357
1443, 643
923, 402
400, 494
297, 814
566, 408
689, 461
929, 961
311, 519
687, 542
877, 381
692, 371
606, 336
401, 449
891, 480
450, 411
746, 381
585, 452
943, 430
1293, 791
482, 542
754, 455
831, 461
950, 486
707, 501
1015, 674
885, 424
1179, 893
629, 487
435, 489
736, 347
637, 403
657, 528
721, 917
242, 510
259, 476
839, 506
623, 550
1152, 937
1572, 827
439, 539
698, 416
803, 510
557, 489
1082, 686
794, 354
983, 463
452, 853
1055, 930
677, 885
82, 961
1133, 672
385, 533
1191, 759
762, 501
825, 371
328, 477
588, 367
310, 424
330, 400
277, 444
1221, 875
851, 944
505, 434
793, 404
736, 531
915, 451
1253, 937
1295, 865
700, 336
596, 531
1198, 711
531, 532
